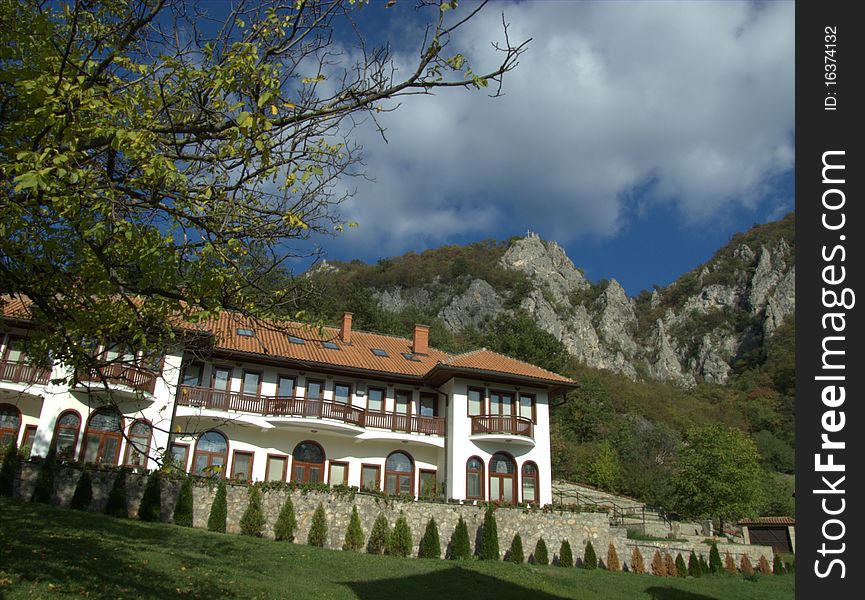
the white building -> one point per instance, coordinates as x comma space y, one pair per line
259, 401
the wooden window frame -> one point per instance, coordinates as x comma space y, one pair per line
482, 478
58, 427
306, 389
408, 411
378, 471
420, 473
350, 398
323, 463
400, 473
285, 461
10, 337
130, 446
517, 492
383, 399
118, 435
345, 473
243, 382
293, 385
214, 369
17, 430
29, 435
537, 485
224, 469
534, 398
190, 365
251, 455
483, 393
435, 403
504, 393
185, 447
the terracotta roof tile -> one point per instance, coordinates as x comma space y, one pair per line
487, 360
768, 521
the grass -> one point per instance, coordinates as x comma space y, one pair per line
47, 552
644, 537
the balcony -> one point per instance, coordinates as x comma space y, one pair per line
271, 406
502, 425
19, 372
124, 375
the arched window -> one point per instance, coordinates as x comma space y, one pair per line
502, 478
307, 462
530, 483
399, 474
10, 423
138, 444
66, 435
102, 437
211, 452
474, 479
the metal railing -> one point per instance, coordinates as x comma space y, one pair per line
510, 424
19, 372
617, 512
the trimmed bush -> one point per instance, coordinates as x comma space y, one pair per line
681, 569
694, 569
150, 508
318, 530
745, 565
566, 557
763, 566
515, 554
669, 565
9, 469
490, 539
286, 522
590, 559
729, 564
183, 508
704, 566
379, 536
44, 488
714, 559
460, 547
539, 556
252, 521
117, 506
218, 510
638, 565
430, 545
659, 569
613, 559
83, 491
399, 542
354, 533
778, 566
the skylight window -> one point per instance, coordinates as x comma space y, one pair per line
330, 345
379, 352
245, 332
296, 340
410, 356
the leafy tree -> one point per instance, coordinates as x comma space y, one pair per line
460, 546
518, 335
515, 554
605, 470
9, 469
540, 556
43, 491
286, 522
566, 557
183, 508
83, 494
378, 538
430, 546
318, 530
150, 508
218, 510
399, 543
694, 569
252, 521
490, 536
354, 533
117, 505
714, 559
613, 559
638, 565
681, 569
590, 559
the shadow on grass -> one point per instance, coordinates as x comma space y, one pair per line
455, 582
667, 593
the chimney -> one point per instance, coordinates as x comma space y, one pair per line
345, 332
420, 342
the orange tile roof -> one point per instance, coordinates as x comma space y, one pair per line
768, 521
487, 360
14, 307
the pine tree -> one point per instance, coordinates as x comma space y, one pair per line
9, 470
150, 508
729, 564
778, 566
318, 530
714, 559
490, 537
694, 569
659, 569
286, 522
252, 522
44, 488
515, 554
669, 565
704, 566
430, 545
460, 547
638, 565
590, 559
745, 565
566, 557
218, 510
613, 559
83, 491
681, 569
379, 536
540, 556
183, 508
354, 533
763, 566
117, 506
399, 542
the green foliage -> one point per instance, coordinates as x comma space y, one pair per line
9, 469
605, 470
218, 510
150, 508
681, 569
286, 522
540, 556
566, 557
775, 453
460, 547
694, 569
83, 491
490, 536
117, 505
430, 545
519, 336
354, 533
590, 559
705, 569
43, 491
252, 522
715, 565
378, 538
183, 508
399, 542
515, 553
318, 530
778, 565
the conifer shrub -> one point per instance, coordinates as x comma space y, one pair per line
704, 566
745, 565
778, 566
252, 521
540, 556
694, 569
729, 564
590, 559
669, 565
515, 553
218, 510
83, 491
150, 508
286, 522
638, 565
9, 469
117, 506
354, 533
490, 539
460, 547
43, 491
714, 559
681, 569
183, 508
430, 545
566, 557
379, 536
659, 568
318, 530
399, 542
763, 566
613, 558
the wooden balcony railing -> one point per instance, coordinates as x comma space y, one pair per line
510, 424
118, 374
270, 406
19, 372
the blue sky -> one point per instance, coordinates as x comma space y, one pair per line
640, 136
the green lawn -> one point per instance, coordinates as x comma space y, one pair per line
47, 552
